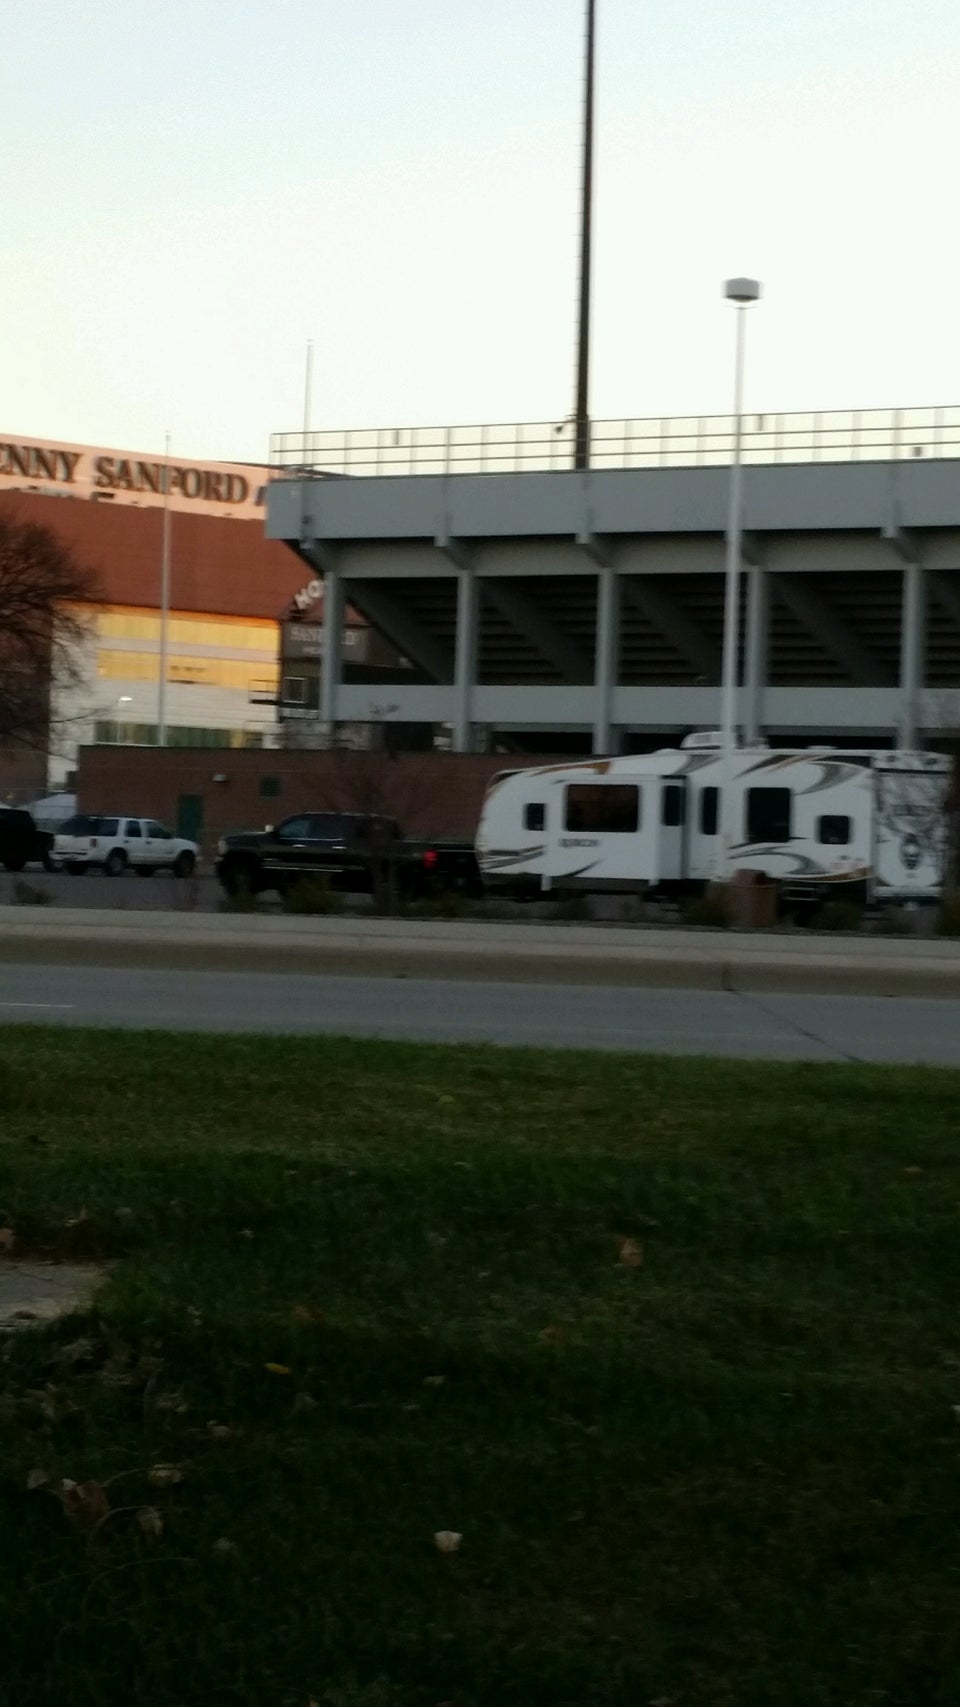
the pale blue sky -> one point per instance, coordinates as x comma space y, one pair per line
192, 189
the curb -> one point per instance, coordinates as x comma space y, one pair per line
701, 961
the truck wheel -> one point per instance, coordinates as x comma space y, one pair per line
14, 864
115, 863
183, 864
237, 880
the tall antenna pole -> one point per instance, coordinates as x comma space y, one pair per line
307, 400
164, 602
582, 405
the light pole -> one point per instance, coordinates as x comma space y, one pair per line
125, 699
741, 292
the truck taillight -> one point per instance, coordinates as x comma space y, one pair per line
93, 841
430, 859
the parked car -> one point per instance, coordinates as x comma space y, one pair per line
21, 843
353, 851
115, 843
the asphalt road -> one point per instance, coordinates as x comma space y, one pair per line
682, 1022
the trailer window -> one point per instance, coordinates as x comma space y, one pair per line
709, 803
610, 807
534, 815
833, 831
671, 806
768, 814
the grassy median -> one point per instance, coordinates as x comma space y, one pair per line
672, 1345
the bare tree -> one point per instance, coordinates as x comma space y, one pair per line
45, 592
390, 785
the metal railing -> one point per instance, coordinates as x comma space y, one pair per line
691, 441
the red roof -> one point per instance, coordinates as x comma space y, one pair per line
217, 564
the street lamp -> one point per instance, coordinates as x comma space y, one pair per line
125, 699
741, 292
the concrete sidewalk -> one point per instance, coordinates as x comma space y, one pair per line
554, 953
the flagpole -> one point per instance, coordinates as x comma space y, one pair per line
164, 601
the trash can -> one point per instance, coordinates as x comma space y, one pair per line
752, 899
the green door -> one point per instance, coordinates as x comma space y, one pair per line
190, 817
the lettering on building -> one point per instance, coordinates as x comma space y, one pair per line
100, 474
38, 462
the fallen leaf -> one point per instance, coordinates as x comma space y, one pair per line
38, 1479
76, 1353
8, 1239
447, 1540
434, 1380
222, 1547
84, 1503
246, 1233
304, 1402
278, 1369
911, 1172
172, 1402
308, 1315
630, 1254
164, 1475
150, 1521
550, 1335
123, 1214
220, 1431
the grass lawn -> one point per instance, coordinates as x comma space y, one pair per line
369, 1292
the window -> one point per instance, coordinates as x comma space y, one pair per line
709, 804
269, 787
106, 826
768, 814
294, 830
294, 690
610, 807
672, 805
833, 831
534, 815
133, 829
158, 832
332, 827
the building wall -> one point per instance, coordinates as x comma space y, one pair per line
430, 794
229, 588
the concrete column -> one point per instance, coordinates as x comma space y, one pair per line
757, 650
606, 657
912, 645
332, 661
465, 669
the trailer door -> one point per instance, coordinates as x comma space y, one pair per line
671, 864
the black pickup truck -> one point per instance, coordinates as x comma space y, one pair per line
21, 843
359, 852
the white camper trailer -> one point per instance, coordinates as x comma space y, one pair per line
816, 821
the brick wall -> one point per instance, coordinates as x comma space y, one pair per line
430, 794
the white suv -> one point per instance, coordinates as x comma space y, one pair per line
114, 843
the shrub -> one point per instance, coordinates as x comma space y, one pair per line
30, 895
573, 909
897, 921
445, 904
242, 901
312, 896
837, 916
712, 908
948, 917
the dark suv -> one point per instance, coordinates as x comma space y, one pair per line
21, 842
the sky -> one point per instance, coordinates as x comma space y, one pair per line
194, 189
